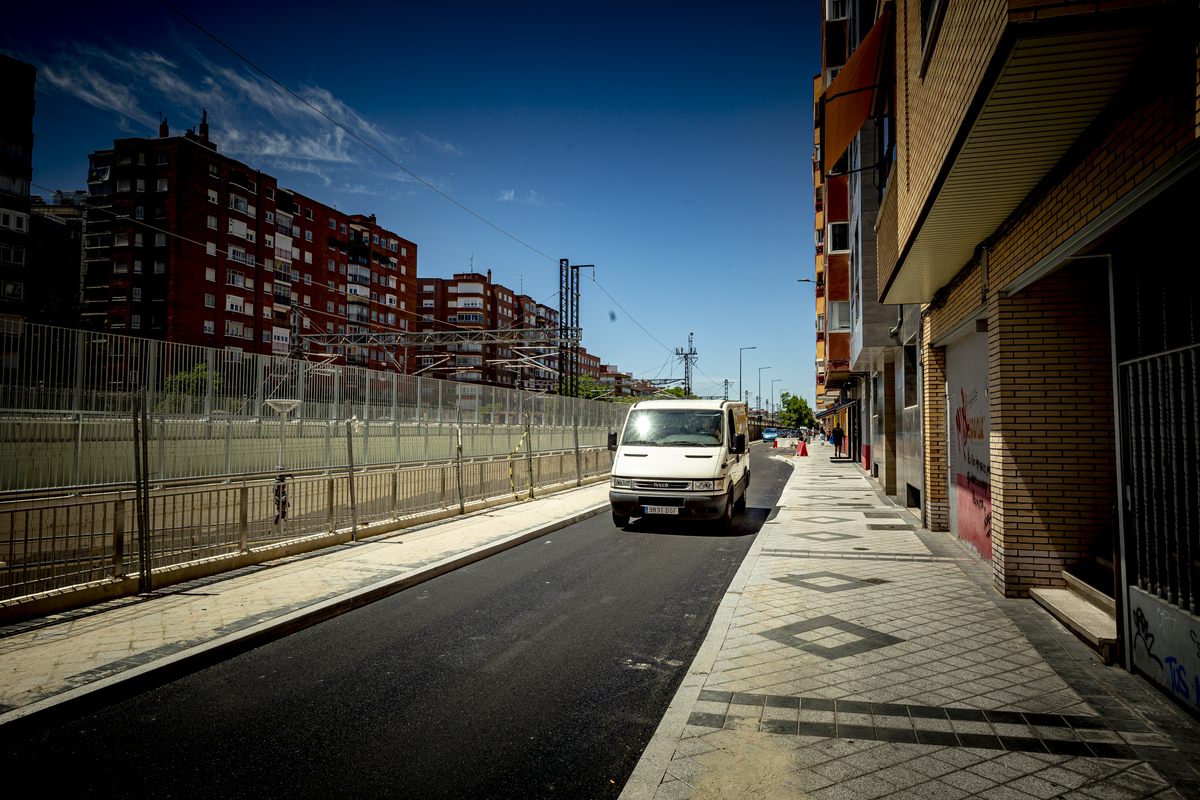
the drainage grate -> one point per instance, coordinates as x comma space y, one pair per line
875, 581
881, 515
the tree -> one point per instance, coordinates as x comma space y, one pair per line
187, 383
795, 412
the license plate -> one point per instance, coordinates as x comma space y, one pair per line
662, 509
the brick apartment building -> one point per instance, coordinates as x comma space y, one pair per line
187, 245
867, 352
470, 301
1040, 208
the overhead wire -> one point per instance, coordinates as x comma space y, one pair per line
392, 161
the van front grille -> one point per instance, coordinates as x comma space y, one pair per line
659, 484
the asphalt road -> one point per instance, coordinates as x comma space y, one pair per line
539, 672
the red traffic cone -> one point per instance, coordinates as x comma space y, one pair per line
775, 442
802, 448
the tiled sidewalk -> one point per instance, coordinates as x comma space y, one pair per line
855, 656
66, 657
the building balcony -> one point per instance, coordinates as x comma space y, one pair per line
358, 300
357, 360
358, 317
359, 280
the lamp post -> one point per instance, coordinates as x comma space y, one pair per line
777, 380
760, 369
740, 367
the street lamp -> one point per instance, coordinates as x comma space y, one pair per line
760, 369
740, 367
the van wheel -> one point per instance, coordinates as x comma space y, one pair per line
740, 505
619, 520
726, 521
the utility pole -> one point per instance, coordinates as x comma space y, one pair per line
727, 382
689, 358
568, 320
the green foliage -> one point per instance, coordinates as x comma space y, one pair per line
187, 383
795, 412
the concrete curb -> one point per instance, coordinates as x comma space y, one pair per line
652, 766
96, 695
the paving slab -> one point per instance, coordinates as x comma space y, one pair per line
857, 655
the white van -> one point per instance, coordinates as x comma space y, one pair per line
680, 458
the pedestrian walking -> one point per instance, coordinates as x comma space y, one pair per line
837, 437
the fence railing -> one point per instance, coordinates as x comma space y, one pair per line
1162, 474
67, 399
70, 541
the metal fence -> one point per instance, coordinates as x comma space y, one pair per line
66, 542
1162, 474
67, 398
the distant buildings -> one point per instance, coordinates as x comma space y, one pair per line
187, 245
471, 302
174, 241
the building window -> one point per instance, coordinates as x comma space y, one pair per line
210, 300
135, 321
308, 214
162, 184
332, 225
237, 203
839, 316
343, 227
122, 186
212, 221
209, 326
160, 267
211, 248
160, 240
141, 185
162, 158
910, 376
210, 274
839, 237
137, 267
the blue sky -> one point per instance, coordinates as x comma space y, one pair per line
668, 144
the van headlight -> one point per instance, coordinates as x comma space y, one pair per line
621, 483
709, 486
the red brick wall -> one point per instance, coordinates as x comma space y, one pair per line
1051, 397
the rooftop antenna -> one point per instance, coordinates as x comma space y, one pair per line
522, 279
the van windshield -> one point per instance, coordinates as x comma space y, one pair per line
666, 427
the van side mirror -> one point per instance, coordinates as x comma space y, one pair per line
739, 444
612, 441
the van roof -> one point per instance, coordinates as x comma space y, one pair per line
681, 403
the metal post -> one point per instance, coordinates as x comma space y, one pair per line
80, 343
350, 467
462, 508
578, 461
243, 511
529, 455
118, 538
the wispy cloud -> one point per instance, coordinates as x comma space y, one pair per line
444, 147
532, 199
250, 116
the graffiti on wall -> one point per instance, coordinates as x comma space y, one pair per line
973, 481
1166, 645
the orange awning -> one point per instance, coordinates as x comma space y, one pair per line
860, 90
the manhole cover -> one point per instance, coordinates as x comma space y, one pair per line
862, 548
875, 581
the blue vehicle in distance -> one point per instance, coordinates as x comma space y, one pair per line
769, 434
